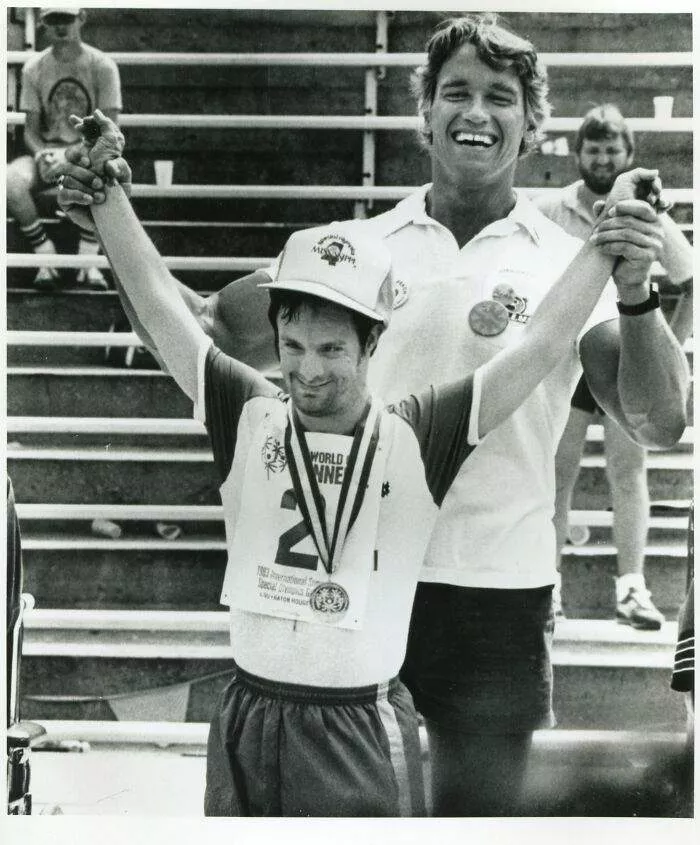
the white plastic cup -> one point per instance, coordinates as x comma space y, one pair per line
561, 147
164, 173
663, 107
579, 535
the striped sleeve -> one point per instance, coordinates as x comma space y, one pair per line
683, 678
227, 386
440, 418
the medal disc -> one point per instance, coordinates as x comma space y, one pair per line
329, 601
488, 318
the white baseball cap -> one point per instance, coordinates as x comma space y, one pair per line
45, 11
341, 264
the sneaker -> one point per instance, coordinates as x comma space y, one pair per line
91, 278
638, 610
47, 279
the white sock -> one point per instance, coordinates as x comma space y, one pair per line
86, 247
47, 248
633, 580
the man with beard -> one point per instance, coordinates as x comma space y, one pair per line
604, 149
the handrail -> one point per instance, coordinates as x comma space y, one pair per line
171, 426
208, 263
620, 59
359, 123
325, 192
82, 339
204, 263
215, 513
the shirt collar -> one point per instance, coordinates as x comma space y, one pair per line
572, 201
524, 215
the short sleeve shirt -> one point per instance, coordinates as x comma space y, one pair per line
494, 528
428, 439
57, 89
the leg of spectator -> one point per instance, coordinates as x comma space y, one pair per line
625, 465
626, 471
90, 277
566, 468
476, 775
22, 181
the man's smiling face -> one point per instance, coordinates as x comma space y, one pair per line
477, 120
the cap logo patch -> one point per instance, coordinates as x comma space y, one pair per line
335, 249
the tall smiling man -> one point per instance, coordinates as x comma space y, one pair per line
472, 260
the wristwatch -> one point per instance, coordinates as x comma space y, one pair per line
640, 307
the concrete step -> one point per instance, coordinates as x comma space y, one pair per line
606, 675
588, 578
124, 432
69, 566
100, 474
117, 392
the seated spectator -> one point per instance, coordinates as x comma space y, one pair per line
68, 77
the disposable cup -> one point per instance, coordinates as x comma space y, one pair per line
164, 173
663, 107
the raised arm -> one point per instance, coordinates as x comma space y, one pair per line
510, 377
635, 366
144, 277
235, 317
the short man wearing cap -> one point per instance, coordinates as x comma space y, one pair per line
605, 148
330, 497
68, 77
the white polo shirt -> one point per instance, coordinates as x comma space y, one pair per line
495, 525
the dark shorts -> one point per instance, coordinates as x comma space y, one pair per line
285, 750
583, 398
479, 660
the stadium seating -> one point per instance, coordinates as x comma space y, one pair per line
319, 126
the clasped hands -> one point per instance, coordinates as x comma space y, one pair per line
627, 228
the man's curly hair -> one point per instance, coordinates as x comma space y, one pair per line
498, 48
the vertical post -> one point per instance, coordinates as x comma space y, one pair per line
29, 30
372, 77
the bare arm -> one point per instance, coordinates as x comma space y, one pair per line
235, 317
677, 254
510, 377
148, 284
636, 368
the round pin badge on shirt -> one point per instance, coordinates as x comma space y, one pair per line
329, 601
488, 318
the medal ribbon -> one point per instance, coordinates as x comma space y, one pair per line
360, 459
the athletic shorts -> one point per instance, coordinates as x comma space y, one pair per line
286, 750
583, 398
479, 660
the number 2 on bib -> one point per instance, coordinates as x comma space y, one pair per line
298, 532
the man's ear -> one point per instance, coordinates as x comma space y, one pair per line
373, 338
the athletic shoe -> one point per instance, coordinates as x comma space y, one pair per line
47, 279
91, 278
637, 610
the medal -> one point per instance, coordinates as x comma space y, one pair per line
329, 601
488, 318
